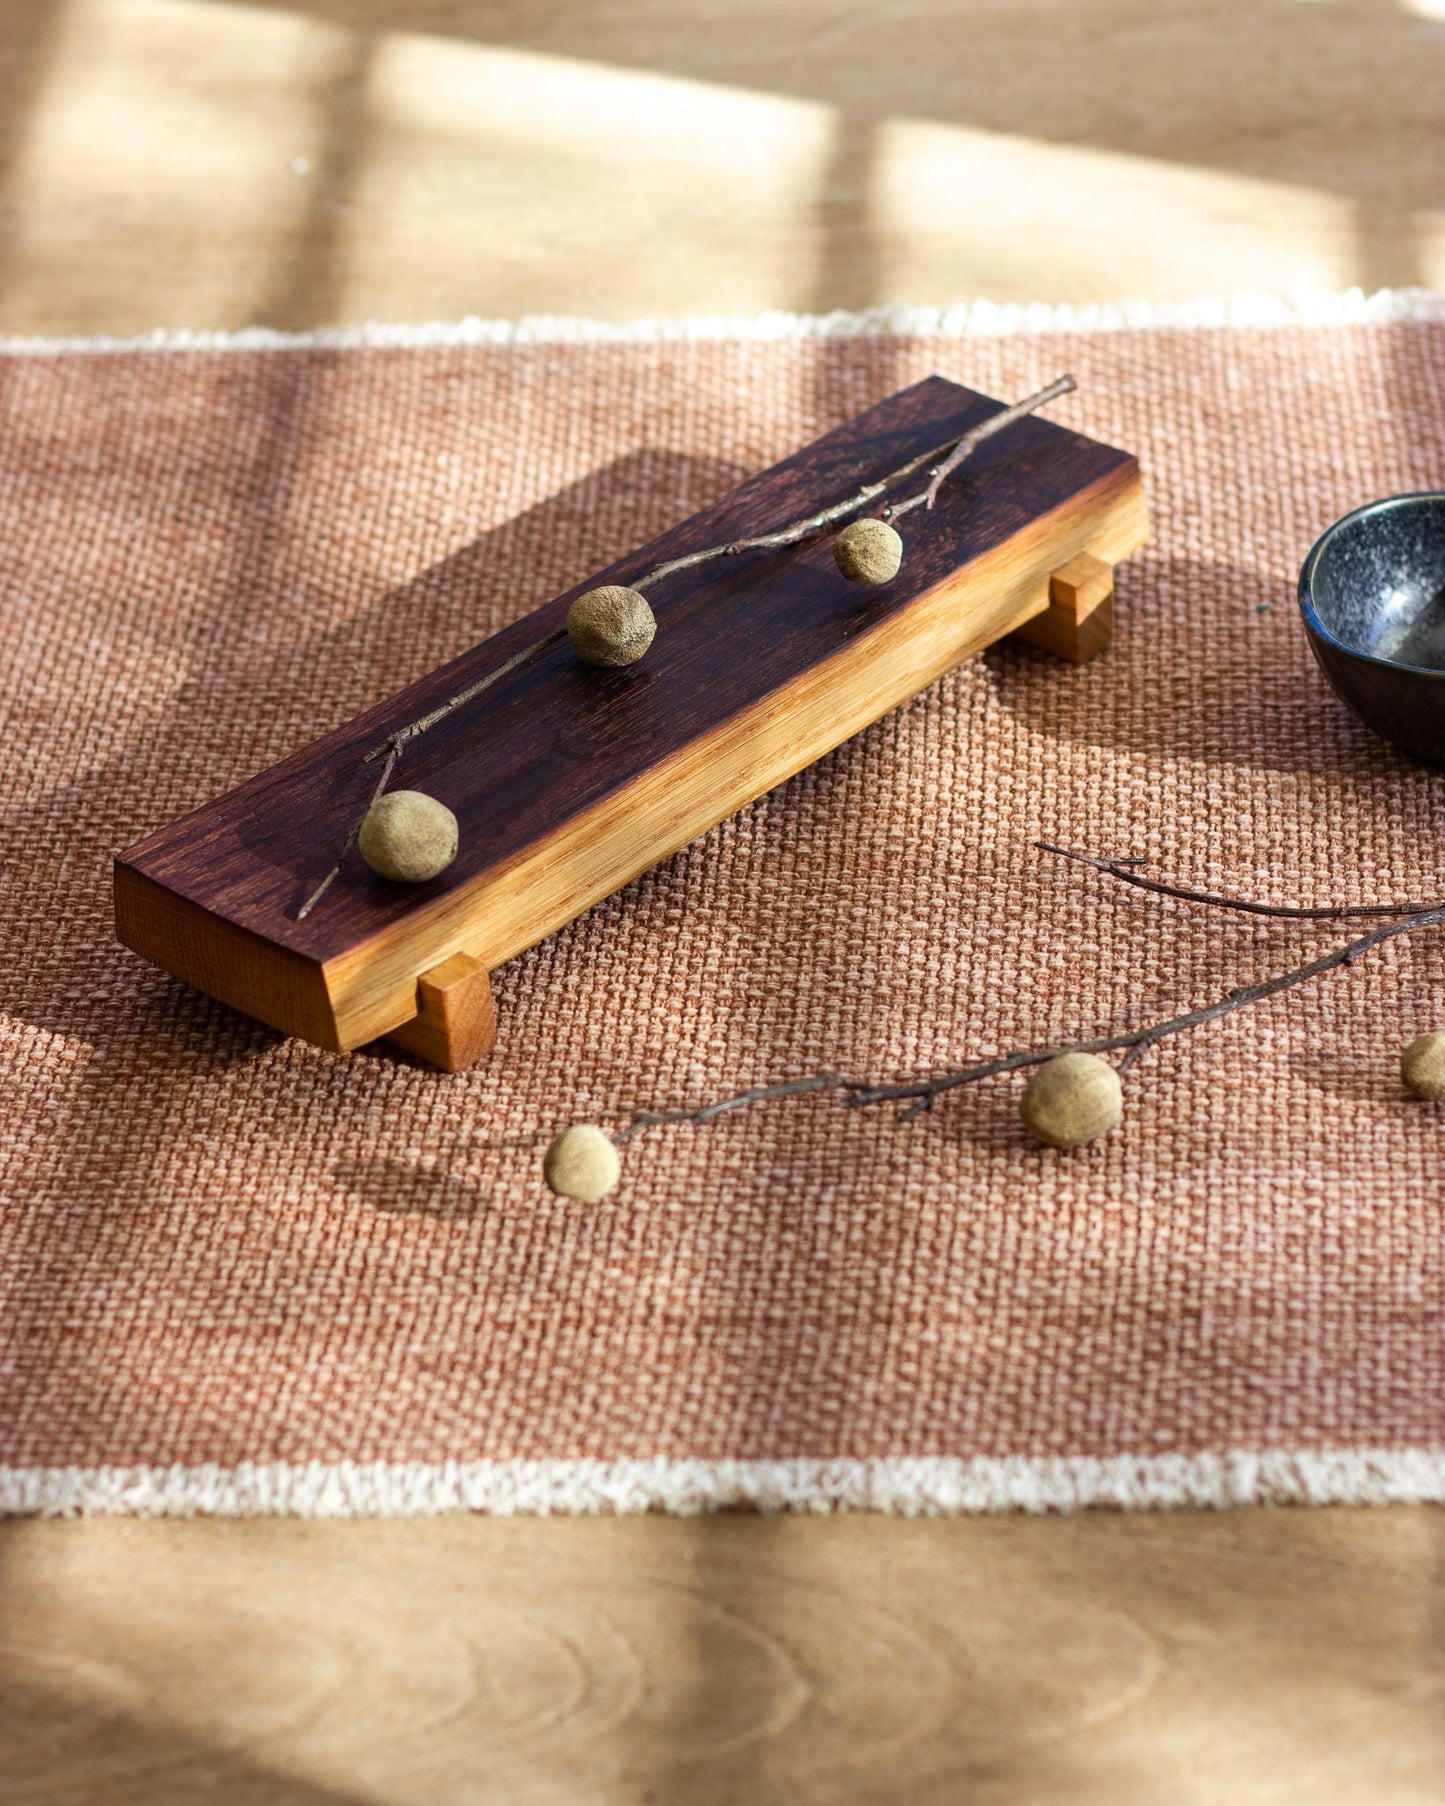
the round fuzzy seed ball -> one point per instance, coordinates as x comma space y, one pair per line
1422, 1066
611, 625
1072, 1099
868, 551
582, 1163
408, 837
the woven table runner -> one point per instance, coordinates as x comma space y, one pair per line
239, 1274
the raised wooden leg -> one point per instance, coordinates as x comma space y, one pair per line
1079, 620
455, 1022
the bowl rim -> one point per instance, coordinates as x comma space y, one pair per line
1312, 620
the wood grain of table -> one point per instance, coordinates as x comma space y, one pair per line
301, 162
1261, 1656
205, 163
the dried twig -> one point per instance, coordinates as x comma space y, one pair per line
973, 439
940, 462
452, 703
919, 1095
1125, 870
1139, 1040
650, 1119
345, 853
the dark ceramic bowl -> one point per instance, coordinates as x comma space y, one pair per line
1372, 593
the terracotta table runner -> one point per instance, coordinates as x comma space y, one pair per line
239, 1274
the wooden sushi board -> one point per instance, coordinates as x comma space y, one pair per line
568, 780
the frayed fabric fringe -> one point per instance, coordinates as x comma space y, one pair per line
921, 1486
972, 319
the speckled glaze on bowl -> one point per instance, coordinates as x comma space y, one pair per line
1372, 593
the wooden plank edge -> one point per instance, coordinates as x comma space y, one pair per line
277, 986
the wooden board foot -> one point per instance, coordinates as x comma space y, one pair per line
1079, 620
455, 1022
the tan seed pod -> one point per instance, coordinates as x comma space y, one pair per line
1072, 1099
611, 625
1422, 1066
582, 1163
408, 837
868, 551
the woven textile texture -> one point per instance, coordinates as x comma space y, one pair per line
226, 1253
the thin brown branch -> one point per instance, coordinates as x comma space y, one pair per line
940, 463
351, 839
919, 1095
515, 663
1324, 912
974, 438
926, 1090
653, 1119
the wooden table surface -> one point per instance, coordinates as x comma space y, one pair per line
205, 163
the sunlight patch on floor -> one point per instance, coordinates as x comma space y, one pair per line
221, 165
155, 177
980, 213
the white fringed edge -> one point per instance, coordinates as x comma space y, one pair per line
973, 319
923, 1486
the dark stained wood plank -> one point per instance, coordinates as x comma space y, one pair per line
537, 763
